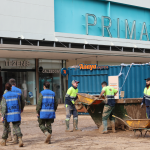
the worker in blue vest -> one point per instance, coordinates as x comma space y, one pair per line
19, 92
146, 98
11, 112
45, 109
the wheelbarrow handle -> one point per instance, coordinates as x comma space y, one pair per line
121, 120
128, 116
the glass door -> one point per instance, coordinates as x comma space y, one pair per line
24, 80
54, 80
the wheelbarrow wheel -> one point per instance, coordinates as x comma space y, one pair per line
78, 106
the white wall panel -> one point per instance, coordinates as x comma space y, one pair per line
34, 19
140, 3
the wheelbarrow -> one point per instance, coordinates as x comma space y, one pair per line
137, 124
87, 100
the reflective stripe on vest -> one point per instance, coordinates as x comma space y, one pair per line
8, 100
147, 93
47, 110
48, 97
13, 113
110, 97
12, 105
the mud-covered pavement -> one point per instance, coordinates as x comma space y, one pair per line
88, 139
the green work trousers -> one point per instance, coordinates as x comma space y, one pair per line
107, 113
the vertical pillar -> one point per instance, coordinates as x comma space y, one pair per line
37, 78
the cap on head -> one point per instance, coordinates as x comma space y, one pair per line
148, 79
75, 81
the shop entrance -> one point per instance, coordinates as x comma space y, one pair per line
55, 83
25, 80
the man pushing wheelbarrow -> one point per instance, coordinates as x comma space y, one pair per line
109, 106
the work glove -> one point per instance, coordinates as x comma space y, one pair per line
73, 102
141, 105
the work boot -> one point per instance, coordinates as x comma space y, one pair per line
67, 126
9, 137
15, 139
75, 125
104, 127
113, 126
3, 142
20, 142
48, 138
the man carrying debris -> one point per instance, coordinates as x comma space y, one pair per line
70, 98
146, 98
46, 108
109, 106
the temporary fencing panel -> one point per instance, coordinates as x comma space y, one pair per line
131, 79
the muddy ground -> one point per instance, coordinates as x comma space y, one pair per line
88, 139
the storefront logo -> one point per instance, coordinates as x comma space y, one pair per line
17, 63
64, 71
129, 31
92, 67
51, 71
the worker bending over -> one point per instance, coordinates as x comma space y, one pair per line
109, 106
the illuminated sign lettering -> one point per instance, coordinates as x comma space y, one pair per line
92, 67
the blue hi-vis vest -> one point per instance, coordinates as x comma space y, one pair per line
12, 107
16, 90
47, 110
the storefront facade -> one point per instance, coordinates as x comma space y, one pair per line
63, 33
24, 72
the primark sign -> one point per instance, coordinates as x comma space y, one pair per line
131, 31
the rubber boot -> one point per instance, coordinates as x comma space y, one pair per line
20, 142
3, 142
15, 139
67, 126
104, 125
9, 137
113, 126
75, 125
48, 138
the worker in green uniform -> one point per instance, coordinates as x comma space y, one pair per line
146, 98
109, 106
70, 98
